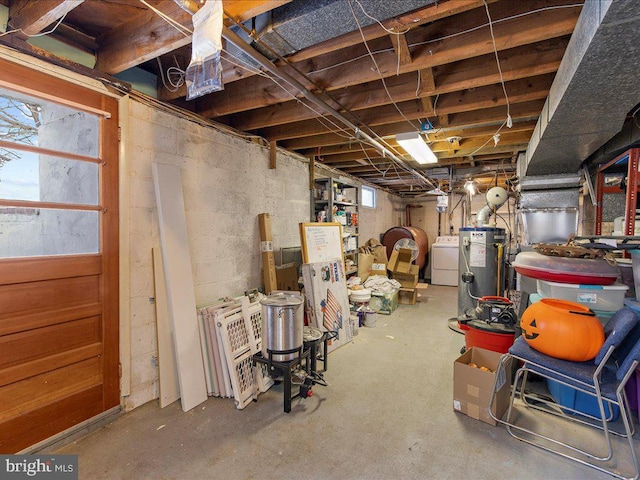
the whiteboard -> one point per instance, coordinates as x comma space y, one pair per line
321, 242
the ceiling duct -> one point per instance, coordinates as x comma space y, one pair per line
594, 89
302, 23
627, 138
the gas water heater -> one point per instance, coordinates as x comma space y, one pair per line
481, 260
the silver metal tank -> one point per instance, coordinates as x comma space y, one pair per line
282, 325
481, 252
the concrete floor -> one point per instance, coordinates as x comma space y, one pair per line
387, 414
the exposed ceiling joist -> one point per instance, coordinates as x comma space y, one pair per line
521, 64
148, 36
33, 17
439, 70
509, 34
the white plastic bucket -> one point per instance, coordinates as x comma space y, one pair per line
370, 318
360, 296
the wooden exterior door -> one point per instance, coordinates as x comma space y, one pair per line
59, 361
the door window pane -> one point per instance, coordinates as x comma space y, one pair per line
44, 178
31, 121
52, 178
26, 232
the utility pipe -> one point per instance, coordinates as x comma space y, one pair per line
191, 7
408, 208
232, 37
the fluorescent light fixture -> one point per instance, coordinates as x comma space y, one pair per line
415, 146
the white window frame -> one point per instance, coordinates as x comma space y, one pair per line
373, 196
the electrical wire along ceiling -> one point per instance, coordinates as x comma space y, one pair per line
339, 81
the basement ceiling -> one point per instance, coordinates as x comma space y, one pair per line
345, 76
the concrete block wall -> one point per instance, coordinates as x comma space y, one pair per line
375, 221
226, 183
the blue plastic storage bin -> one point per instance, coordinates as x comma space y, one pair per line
580, 401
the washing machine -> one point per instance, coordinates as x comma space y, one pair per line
444, 261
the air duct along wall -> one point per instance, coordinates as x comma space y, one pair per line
595, 87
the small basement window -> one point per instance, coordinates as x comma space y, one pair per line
368, 197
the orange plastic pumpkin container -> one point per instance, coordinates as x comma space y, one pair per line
562, 329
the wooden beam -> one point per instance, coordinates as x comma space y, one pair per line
273, 149
443, 120
245, 95
336, 144
481, 71
401, 48
427, 81
347, 147
242, 10
147, 35
357, 170
506, 138
312, 172
352, 156
427, 105
142, 38
527, 110
78, 39
507, 142
506, 150
519, 91
33, 17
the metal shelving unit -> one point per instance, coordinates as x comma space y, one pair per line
336, 201
628, 163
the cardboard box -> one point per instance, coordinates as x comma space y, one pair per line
379, 269
472, 387
407, 280
287, 277
400, 261
421, 289
407, 296
384, 303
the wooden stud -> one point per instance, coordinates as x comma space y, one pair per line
312, 171
273, 150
